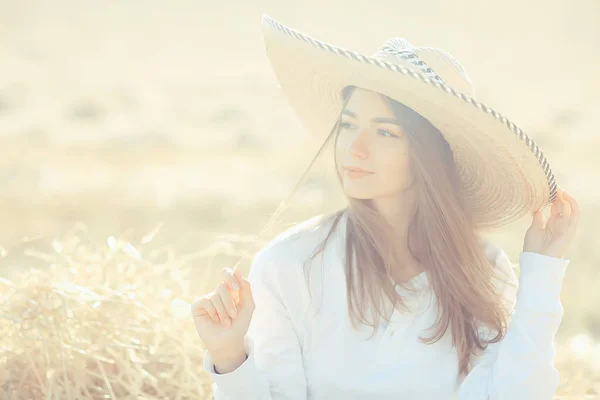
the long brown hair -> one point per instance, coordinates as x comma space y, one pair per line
442, 237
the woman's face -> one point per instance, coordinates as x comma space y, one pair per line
371, 138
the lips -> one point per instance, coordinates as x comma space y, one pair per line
355, 169
356, 174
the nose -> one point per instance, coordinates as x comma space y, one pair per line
358, 146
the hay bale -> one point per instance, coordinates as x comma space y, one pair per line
100, 322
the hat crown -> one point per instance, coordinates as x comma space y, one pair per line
430, 62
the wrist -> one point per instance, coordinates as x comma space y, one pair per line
230, 359
547, 253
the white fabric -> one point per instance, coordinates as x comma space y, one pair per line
293, 354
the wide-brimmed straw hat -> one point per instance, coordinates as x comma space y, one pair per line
503, 172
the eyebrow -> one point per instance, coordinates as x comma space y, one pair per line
376, 119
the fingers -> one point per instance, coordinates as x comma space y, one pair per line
574, 206
564, 204
538, 219
218, 305
217, 302
557, 205
560, 208
238, 275
204, 306
230, 278
227, 300
221, 304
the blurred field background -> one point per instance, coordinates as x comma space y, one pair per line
160, 126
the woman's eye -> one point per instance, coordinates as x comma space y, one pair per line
348, 125
389, 134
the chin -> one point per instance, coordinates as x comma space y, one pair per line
358, 194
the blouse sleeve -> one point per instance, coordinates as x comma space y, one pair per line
273, 369
520, 366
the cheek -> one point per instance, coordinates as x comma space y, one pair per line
393, 158
394, 165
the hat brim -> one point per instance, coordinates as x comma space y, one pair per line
504, 173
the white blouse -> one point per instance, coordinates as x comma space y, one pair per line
295, 354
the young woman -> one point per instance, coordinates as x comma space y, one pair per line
398, 295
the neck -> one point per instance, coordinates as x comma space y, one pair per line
398, 211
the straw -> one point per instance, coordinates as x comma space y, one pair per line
102, 321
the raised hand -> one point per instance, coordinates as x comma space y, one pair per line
222, 317
553, 237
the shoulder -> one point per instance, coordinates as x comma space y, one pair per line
504, 268
292, 247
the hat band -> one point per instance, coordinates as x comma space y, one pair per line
412, 58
